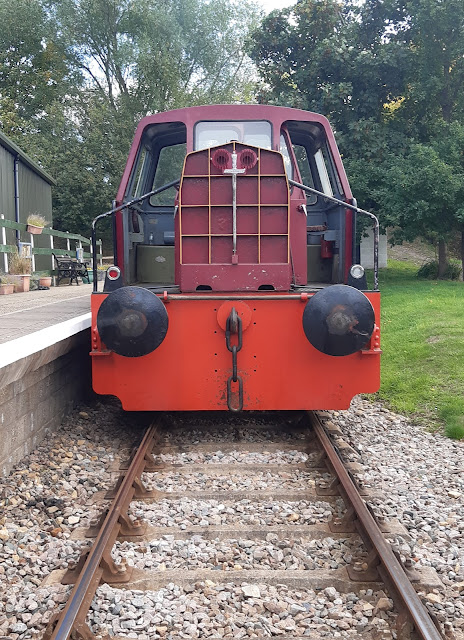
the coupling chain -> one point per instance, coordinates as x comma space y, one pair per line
234, 326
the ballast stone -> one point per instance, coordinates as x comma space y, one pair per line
251, 591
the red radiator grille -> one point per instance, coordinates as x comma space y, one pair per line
205, 235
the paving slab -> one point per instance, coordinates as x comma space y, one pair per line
24, 313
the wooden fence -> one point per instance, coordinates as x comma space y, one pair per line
70, 241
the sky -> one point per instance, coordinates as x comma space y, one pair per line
270, 5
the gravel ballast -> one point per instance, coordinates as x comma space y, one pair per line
49, 494
253, 481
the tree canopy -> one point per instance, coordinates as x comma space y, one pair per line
389, 75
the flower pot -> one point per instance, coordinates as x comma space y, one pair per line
6, 289
31, 228
21, 282
45, 281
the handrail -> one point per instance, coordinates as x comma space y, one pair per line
352, 207
124, 205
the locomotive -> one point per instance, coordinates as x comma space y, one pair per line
236, 283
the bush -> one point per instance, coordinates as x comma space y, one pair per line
429, 270
36, 220
19, 265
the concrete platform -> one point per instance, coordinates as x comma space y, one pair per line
25, 313
44, 364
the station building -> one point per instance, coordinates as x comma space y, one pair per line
25, 188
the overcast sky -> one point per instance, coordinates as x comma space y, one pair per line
270, 5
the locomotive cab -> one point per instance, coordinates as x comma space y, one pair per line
235, 230
149, 259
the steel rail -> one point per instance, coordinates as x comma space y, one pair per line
423, 623
80, 598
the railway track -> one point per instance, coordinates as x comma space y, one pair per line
270, 515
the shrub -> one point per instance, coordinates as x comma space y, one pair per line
429, 270
36, 220
18, 265
5, 278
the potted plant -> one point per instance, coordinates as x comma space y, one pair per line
35, 223
45, 281
6, 286
20, 270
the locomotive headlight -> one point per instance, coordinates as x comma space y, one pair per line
132, 321
113, 273
357, 271
338, 320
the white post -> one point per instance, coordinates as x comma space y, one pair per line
5, 255
100, 244
32, 254
68, 246
52, 247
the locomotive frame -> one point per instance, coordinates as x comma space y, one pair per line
244, 293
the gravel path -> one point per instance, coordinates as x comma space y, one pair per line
229, 433
46, 497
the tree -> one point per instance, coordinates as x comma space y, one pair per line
389, 75
77, 75
419, 196
34, 69
330, 57
434, 34
150, 56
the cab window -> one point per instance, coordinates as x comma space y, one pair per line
139, 175
253, 132
286, 155
304, 166
168, 168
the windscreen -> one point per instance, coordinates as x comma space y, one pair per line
253, 132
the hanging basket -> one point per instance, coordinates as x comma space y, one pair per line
31, 228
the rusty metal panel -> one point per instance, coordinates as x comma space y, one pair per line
233, 226
6, 184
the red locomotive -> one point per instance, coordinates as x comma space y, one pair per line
236, 284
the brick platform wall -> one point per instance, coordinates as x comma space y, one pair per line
37, 391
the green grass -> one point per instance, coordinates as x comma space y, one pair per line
422, 338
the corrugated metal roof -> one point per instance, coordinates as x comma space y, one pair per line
25, 159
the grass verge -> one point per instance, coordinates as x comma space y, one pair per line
423, 347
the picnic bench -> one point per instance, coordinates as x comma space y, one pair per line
71, 268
